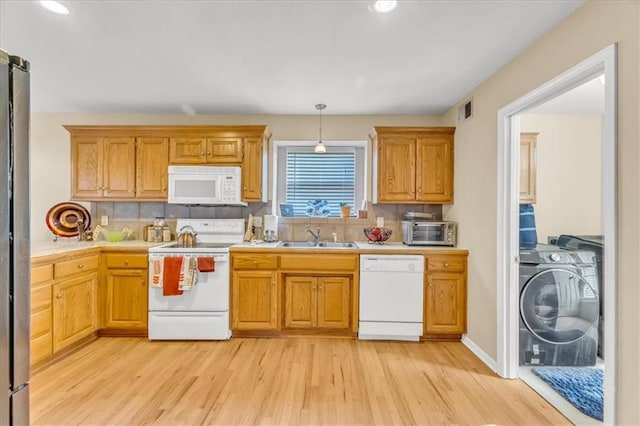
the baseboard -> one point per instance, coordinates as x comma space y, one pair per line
490, 362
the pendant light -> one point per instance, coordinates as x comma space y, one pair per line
320, 147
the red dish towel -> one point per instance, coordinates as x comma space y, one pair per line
171, 276
206, 264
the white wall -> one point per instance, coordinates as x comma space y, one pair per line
591, 28
568, 173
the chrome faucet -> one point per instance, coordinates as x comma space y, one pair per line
316, 235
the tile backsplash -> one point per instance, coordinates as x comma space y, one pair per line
136, 216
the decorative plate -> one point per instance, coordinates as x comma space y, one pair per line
318, 208
62, 219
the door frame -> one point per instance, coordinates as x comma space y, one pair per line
603, 62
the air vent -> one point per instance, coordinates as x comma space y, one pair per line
465, 110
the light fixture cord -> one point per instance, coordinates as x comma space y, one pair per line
320, 132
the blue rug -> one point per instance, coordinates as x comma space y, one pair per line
582, 387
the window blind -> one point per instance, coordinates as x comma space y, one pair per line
329, 177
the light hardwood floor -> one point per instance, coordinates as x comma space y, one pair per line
272, 381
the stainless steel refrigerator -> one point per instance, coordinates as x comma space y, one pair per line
15, 263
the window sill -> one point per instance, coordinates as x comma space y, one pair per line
333, 220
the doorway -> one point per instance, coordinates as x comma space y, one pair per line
509, 128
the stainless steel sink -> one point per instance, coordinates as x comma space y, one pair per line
311, 244
330, 244
297, 244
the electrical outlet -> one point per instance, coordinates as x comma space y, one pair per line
380, 222
104, 220
257, 221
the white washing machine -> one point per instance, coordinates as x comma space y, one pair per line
559, 307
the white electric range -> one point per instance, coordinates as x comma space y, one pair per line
201, 312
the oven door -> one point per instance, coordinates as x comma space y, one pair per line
209, 294
429, 233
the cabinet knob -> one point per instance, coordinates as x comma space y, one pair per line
202, 154
273, 282
126, 261
446, 265
245, 188
208, 153
80, 266
142, 283
59, 296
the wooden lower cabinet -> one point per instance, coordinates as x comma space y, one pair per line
317, 302
445, 306
254, 300
125, 292
41, 312
74, 309
127, 299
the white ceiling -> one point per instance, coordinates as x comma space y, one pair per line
268, 57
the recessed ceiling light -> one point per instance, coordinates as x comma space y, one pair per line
384, 6
54, 6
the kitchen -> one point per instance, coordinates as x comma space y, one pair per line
475, 148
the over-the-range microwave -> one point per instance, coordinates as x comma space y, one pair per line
429, 233
207, 185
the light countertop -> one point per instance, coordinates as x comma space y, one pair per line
47, 248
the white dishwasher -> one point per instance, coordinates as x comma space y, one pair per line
391, 297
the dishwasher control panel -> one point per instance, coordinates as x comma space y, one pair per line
392, 263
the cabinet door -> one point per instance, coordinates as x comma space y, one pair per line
221, 150
255, 300
300, 299
119, 168
187, 151
86, 168
334, 300
252, 170
446, 303
152, 164
528, 168
397, 169
74, 309
434, 169
127, 296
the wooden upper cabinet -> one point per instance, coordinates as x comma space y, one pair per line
86, 167
252, 170
102, 167
397, 169
434, 170
131, 162
206, 150
528, 188
119, 167
152, 165
224, 150
188, 150
414, 165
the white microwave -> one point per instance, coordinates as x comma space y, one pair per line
208, 185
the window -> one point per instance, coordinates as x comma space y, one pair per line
315, 177
302, 177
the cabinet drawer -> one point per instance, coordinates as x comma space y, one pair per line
319, 262
446, 263
41, 273
40, 299
123, 260
255, 261
75, 266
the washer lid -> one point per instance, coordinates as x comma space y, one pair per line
559, 306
